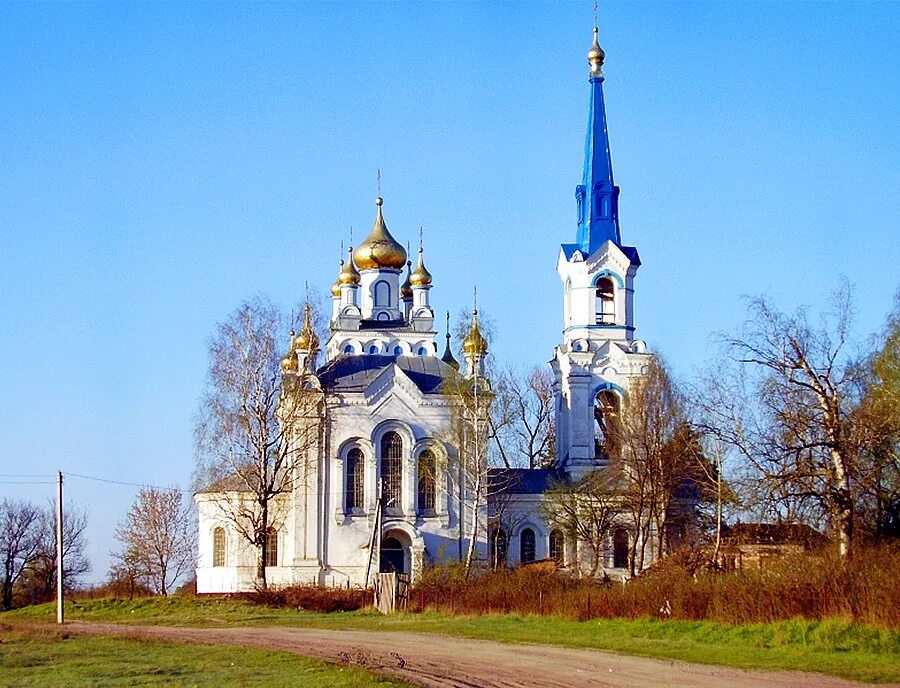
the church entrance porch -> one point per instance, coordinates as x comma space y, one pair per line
394, 555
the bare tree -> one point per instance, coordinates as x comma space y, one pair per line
158, 536
585, 510
787, 404
878, 482
39, 580
655, 459
258, 420
523, 416
20, 538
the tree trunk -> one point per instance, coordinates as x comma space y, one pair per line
842, 505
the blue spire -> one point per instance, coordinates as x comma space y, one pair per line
597, 196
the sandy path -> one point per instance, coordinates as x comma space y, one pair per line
442, 661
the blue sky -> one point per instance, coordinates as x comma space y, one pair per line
161, 162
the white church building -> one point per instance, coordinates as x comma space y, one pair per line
387, 420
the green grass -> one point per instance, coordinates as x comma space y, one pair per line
833, 646
53, 659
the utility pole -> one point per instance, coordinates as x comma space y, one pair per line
59, 548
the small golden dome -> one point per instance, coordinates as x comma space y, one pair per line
420, 277
596, 56
307, 340
475, 343
348, 274
379, 250
336, 288
406, 287
289, 364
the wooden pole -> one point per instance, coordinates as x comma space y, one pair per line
59, 548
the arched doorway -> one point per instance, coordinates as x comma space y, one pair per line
394, 556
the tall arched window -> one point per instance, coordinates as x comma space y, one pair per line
427, 481
557, 547
392, 470
355, 486
499, 548
620, 548
271, 547
607, 424
606, 302
526, 546
219, 547
382, 293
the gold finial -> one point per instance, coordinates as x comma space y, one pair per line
348, 274
307, 339
406, 287
420, 276
596, 56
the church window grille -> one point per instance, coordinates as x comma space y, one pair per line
499, 548
355, 468
427, 482
219, 547
392, 470
526, 546
271, 547
382, 292
557, 547
620, 548
606, 302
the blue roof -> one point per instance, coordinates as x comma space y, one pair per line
523, 480
354, 373
630, 252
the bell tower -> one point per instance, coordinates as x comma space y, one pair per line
598, 355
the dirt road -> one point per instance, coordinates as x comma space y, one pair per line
439, 661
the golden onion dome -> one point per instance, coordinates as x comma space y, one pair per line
336, 289
289, 362
420, 277
348, 274
475, 343
380, 250
406, 287
307, 340
596, 56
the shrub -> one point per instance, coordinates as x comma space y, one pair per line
312, 598
866, 589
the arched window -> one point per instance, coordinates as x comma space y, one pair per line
606, 302
373, 349
271, 547
355, 472
423, 351
348, 349
499, 548
557, 547
607, 424
427, 482
620, 548
219, 547
382, 293
526, 546
398, 350
392, 470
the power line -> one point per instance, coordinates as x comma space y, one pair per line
126, 483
